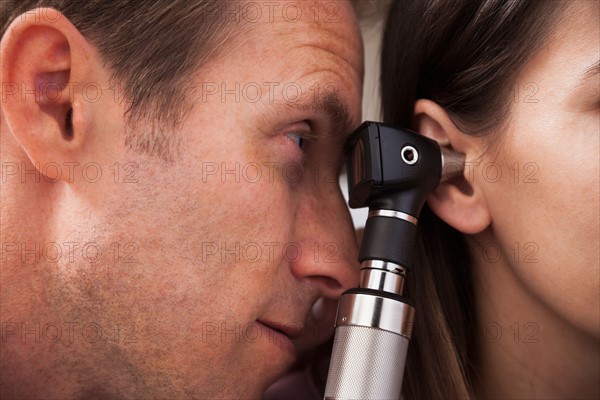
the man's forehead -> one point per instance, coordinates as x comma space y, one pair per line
295, 70
330, 26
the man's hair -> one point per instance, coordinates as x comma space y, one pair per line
152, 48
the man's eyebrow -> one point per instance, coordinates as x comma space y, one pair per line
335, 108
338, 112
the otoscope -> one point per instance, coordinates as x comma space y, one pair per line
391, 171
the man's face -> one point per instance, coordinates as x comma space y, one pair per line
212, 255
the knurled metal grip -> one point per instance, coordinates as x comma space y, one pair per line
371, 340
366, 364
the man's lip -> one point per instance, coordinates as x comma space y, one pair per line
291, 331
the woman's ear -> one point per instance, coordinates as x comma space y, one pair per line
42, 55
460, 202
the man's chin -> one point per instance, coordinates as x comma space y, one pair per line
274, 357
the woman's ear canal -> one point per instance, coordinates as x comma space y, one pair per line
68, 133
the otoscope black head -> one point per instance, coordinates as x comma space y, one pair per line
391, 168
391, 171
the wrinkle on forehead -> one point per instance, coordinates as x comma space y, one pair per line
341, 39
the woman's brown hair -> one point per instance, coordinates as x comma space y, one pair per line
464, 55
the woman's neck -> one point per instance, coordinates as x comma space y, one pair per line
526, 350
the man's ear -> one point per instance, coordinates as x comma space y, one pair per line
460, 202
42, 55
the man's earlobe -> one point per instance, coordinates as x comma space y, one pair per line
460, 202
42, 110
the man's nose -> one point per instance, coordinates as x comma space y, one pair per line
329, 252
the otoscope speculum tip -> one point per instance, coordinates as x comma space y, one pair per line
453, 164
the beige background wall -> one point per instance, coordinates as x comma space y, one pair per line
372, 38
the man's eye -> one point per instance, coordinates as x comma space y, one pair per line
296, 138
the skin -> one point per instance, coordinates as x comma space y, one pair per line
538, 309
187, 311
